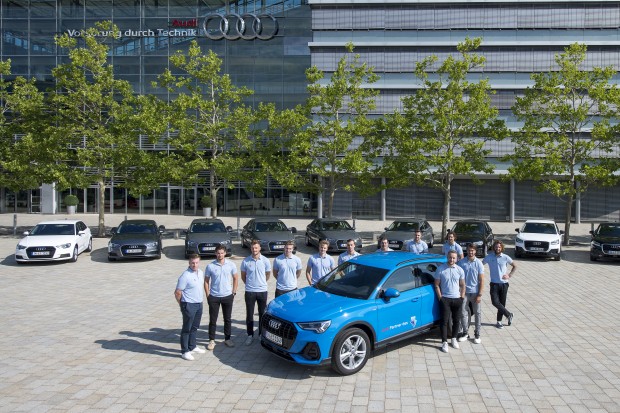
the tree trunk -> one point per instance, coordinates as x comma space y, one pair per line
446, 212
101, 230
332, 193
569, 212
213, 192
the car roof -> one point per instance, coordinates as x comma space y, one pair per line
138, 221
470, 220
266, 219
408, 220
197, 220
392, 259
330, 219
540, 221
59, 221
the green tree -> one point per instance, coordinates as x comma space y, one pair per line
210, 124
568, 134
331, 143
97, 119
443, 127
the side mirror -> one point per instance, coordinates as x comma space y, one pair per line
185, 232
561, 232
293, 230
385, 229
517, 229
591, 232
162, 229
391, 293
113, 230
229, 228
26, 233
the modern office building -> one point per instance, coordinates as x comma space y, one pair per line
519, 38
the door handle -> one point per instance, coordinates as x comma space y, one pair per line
415, 300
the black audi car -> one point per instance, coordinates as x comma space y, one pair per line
473, 231
135, 238
605, 241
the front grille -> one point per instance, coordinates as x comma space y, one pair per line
207, 247
395, 245
40, 252
280, 328
611, 249
537, 244
133, 249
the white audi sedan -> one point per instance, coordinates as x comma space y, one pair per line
54, 241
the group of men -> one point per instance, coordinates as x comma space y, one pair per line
220, 281
459, 285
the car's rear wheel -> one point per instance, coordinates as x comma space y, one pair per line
430, 244
592, 257
518, 253
111, 259
90, 245
74, 257
351, 352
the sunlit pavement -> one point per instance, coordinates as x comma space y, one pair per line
100, 336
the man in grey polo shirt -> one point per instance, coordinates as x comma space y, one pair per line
221, 282
189, 295
474, 285
417, 246
286, 270
498, 266
450, 289
255, 271
349, 253
319, 264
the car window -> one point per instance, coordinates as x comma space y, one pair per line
53, 229
204, 227
144, 228
425, 274
540, 228
468, 228
352, 280
609, 230
403, 279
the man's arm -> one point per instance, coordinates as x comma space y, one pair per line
462, 287
437, 289
235, 282
207, 286
309, 273
298, 273
481, 286
177, 295
512, 270
243, 274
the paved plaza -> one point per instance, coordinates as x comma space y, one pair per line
101, 336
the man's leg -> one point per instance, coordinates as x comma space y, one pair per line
455, 311
187, 325
445, 314
250, 301
261, 300
464, 317
214, 309
197, 309
495, 300
227, 306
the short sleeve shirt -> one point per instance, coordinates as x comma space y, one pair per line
287, 268
345, 256
221, 277
447, 247
320, 266
417, 247
497, 266
256, 273
449, 280
191, 285
472, 270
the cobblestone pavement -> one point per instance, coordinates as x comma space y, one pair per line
100, 336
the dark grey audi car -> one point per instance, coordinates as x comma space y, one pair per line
401, 231
204, 234
271, 233
135, 238
334, 231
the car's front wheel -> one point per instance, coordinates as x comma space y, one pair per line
74, 258
592, 257
351, 351
308, 240
89, 248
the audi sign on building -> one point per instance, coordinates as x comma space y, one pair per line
235, 26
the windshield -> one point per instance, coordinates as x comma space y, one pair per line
335, 225
270, 226
352, 280
468, 228
609, 230
202, 227
403, 226
137, 228
539, 228
53, 229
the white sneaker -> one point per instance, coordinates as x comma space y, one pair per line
199, 350
248, 340
499, 325
211, 345
455, 343
444, 346
464, 337
187, 356
477, 340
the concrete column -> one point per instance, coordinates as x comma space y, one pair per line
49, 202
578, 204
383, 202
512, 200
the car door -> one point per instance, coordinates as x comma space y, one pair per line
82, 236
399, 315
313, 232
247, 233
489, 236
427, 233
425, 284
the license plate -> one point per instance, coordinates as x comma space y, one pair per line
273, 338
278, 247
393, 245
40, 253
343, 245
537, 249
613, 252
133, 251
208, 248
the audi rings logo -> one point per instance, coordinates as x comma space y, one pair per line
274, 324
235, 26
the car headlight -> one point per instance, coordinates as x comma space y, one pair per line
112, 245
64, 246
21, 247
316, 326
263, 242
593, 243
191, 243
226, 242
519, 240
555, 242
152, 244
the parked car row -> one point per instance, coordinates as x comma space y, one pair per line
141, 238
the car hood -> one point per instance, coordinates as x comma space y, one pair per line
208, 237
474, 236
341, 234
47, 240
607, 240
398, 235
275, 236
133, 238
534, 236
311, 304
